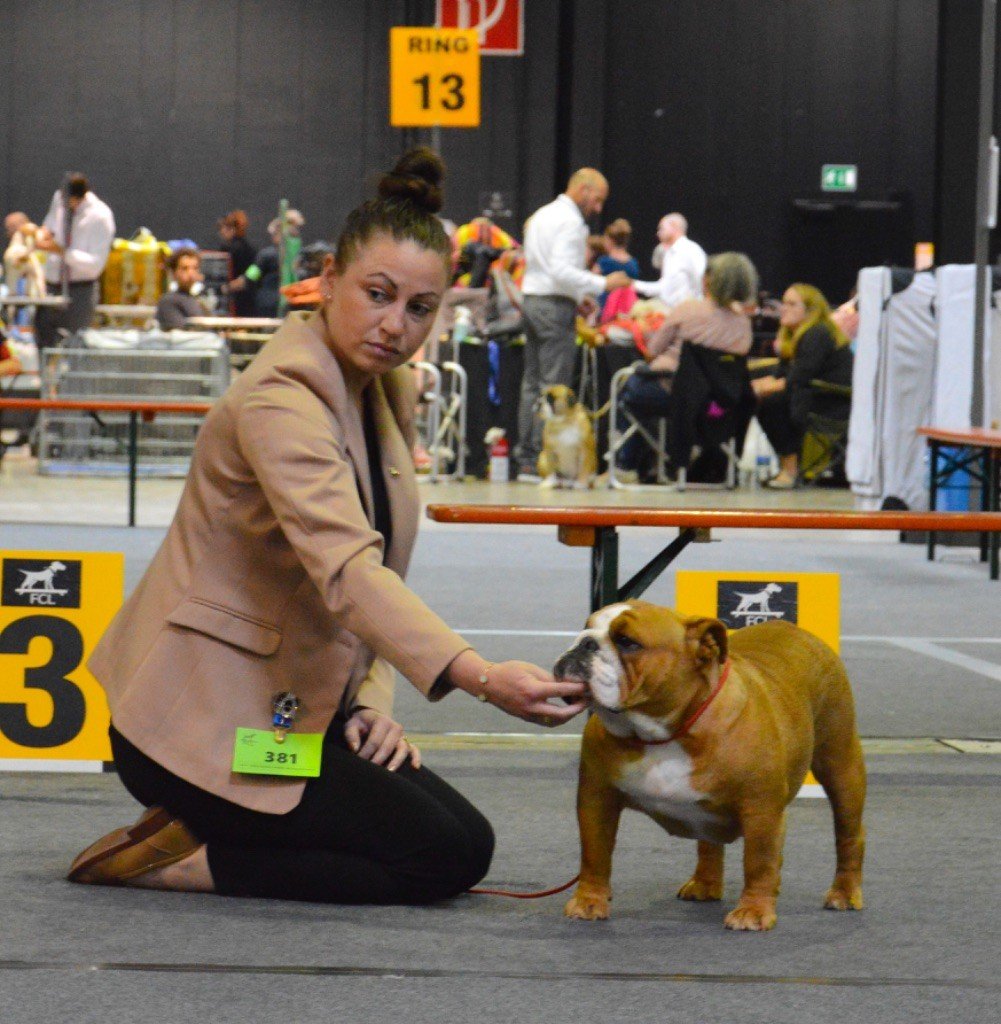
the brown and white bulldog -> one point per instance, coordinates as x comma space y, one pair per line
711, 735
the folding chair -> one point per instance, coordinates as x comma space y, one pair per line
712, 408
825, 445
635, 426
441, 417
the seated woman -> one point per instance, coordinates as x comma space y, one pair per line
811, 346
720, 320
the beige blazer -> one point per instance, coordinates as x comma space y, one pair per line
271, 576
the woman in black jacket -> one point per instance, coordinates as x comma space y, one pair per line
811, 347
233, 232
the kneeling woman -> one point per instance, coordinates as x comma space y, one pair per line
811, 347
276, 602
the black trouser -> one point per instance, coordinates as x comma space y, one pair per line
774, 416
361, 834
551, 357
78, 314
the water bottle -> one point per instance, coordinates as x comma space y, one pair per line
463, 326
762, 468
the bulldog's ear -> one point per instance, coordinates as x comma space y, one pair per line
707, 639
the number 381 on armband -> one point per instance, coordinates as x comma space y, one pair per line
54, 606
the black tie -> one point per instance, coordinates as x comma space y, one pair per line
64, 271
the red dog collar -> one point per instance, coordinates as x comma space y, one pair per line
696, 715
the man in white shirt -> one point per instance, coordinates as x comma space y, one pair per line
77, 234
682, 264
555, 285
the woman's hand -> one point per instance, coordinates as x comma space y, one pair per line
375, 737
519, 688
765, 386
524, 690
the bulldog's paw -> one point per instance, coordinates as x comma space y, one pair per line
587, 907
550, 483
756, 916
843, 898
700, 890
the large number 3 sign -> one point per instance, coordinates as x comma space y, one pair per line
54, 606
69, 708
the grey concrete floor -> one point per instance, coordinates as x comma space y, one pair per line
921, 642
924, 949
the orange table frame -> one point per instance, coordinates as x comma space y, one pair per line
596, 527
147, 410
978, 452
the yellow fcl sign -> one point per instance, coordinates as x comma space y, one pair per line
811, 600
54, 606
434, 78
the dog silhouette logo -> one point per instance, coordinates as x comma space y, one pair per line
745, 604
38, 583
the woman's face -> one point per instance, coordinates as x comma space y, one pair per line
380, 308
793, 311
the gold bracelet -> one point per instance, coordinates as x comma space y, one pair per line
482, 677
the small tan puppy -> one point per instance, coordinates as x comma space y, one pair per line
569, 455
22, 259
711, 735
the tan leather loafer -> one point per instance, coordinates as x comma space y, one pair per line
154, 841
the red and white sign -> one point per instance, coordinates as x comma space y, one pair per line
500, 23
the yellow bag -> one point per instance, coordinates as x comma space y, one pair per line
136, 272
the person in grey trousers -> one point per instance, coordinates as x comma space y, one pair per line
555, 286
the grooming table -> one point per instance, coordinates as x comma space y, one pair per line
225, 324
119, 313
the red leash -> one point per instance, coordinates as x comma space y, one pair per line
526, 895
693, 718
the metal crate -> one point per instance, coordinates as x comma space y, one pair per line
96, 444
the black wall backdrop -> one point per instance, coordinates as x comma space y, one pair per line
180, 110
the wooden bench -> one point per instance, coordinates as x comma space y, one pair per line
147, 410
978, 452
596, 528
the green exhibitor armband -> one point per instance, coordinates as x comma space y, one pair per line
259, 752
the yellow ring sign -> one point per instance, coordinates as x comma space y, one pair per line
434, 78
54, 606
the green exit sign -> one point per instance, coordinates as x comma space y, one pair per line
839, 177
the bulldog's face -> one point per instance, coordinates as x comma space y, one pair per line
636, 656
556, 400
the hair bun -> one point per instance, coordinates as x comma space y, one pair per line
417, 177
